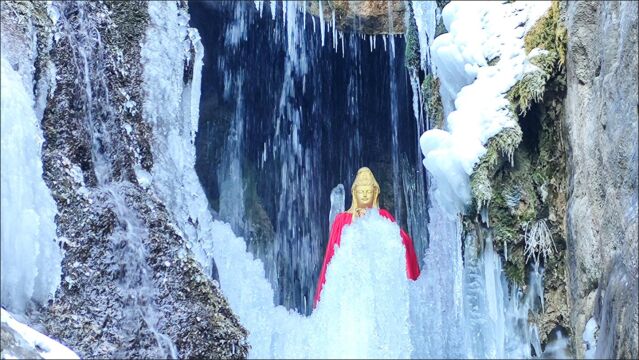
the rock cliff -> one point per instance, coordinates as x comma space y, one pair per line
601, 134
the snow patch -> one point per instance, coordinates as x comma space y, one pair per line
44, 345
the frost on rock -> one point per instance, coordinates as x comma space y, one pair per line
474, 91
30, 255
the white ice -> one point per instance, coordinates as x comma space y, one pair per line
426, 20
589, 338
364, 310
30, 255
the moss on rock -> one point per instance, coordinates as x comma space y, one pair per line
549, 33
499, 147
433, 101
546, 41
412, 51
533, 188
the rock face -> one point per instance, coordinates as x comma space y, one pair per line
601, 131
131, 286
369, 17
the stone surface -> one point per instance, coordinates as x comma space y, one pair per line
601, 132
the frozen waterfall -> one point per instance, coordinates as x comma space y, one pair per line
462, 306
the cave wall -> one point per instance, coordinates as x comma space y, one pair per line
601, 134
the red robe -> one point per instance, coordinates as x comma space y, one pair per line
345, 218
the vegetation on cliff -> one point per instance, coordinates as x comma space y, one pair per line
521, 180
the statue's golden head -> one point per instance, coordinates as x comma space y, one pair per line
365, 191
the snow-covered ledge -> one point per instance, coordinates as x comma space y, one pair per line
478, 61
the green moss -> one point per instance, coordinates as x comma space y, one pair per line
502, 145
549, 33
433, 101
412, 44
516, 274
549, 36
529, 90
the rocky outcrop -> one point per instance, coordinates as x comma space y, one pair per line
368, 17
130, 285
601, 134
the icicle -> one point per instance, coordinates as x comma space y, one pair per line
341, 35
384, 38
370, 42
321, 19
334, 31
259, 5
505, 250
313, 19
273, 4
284, 8
484, 216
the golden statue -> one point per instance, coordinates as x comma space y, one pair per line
365, 191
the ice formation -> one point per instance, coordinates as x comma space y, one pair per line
589, 338
472, 91
30, 255
426, 14
274, 331
364, 311
173, 110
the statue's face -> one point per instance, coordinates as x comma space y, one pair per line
365, 195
